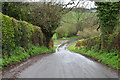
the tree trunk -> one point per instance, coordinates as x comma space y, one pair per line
48, 37
103, 43
47, 42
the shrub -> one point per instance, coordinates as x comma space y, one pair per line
20, 41
91, 48
8, 43
37, 36
18, 33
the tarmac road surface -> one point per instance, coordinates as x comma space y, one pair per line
67, 64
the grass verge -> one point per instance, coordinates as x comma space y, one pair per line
56, 42
68, 38
20, 54
110, 59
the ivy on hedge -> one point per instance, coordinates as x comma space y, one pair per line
108, 15
18, 33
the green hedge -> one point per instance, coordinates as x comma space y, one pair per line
112, 43
109, 58
91, 47
18, 33
20, 40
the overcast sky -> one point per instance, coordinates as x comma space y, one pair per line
83, 3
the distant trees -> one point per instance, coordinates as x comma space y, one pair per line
76, 22
79, 14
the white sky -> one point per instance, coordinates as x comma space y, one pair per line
83, 3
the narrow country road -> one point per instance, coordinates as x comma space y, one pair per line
66, 64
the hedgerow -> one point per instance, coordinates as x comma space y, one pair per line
91, 47
18, 33
20, 41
